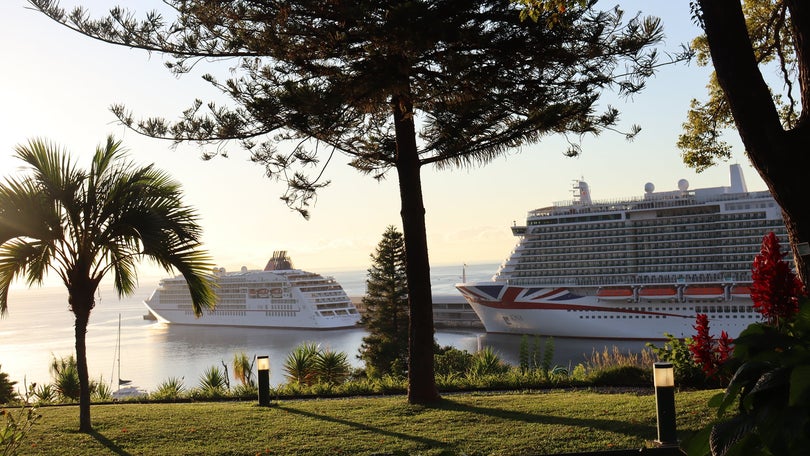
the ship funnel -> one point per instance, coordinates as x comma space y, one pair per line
582, 191
737, 179
279, 261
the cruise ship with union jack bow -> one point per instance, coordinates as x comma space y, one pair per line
633, 268
277, 297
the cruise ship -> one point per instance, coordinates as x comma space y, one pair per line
277, 297
632, 268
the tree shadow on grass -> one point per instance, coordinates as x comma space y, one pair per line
632, 429
365, 427
109, 444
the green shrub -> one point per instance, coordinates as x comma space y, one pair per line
245, 391
687, 371
7, 393
357, 387
44, 393
243, 369
17, 424
449, 360
101, 391
622, 376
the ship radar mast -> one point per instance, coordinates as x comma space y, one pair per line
279, 261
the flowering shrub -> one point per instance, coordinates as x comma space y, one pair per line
769, 370
776, 289
707, 352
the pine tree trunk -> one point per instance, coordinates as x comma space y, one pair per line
421, 381
81, 305
781, 157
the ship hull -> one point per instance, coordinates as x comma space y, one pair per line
578, 312
252, 318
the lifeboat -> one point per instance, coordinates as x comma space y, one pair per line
704, 292
660, 293
741, 291
615, 294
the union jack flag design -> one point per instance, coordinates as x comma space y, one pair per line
508, 297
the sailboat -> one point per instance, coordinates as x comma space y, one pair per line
125, 390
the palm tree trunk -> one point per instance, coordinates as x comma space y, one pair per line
421, 380
81, 306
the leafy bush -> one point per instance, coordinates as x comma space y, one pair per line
101, 391
7, 393
676, 351
622, 376
449, 360
17, 424
769, 370
243, 369
44, 393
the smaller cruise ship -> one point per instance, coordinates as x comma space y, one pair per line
279, 296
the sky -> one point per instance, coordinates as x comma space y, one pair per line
58, 85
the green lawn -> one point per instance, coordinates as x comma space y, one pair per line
508, 423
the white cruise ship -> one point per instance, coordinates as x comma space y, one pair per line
633, 268
277, 297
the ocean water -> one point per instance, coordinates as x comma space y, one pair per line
39, 326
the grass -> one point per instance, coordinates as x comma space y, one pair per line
502, 423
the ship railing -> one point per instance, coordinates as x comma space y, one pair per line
630, 279
640, 202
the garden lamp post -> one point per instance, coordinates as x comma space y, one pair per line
664, 381
263, 364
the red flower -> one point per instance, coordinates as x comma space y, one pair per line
776, 289
724, 347
702, 346
707, 352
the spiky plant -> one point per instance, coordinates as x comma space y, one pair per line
332, 367
65, 378
171, 388
213, 382
299, 367
487, 362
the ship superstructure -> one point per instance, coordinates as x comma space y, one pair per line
278, 296
632, 268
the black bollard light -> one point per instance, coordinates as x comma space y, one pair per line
664, 381
263, 364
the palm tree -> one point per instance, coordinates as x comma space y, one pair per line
332, 367
83, 224
299, 367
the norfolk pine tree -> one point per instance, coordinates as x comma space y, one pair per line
392, 85
385, 348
